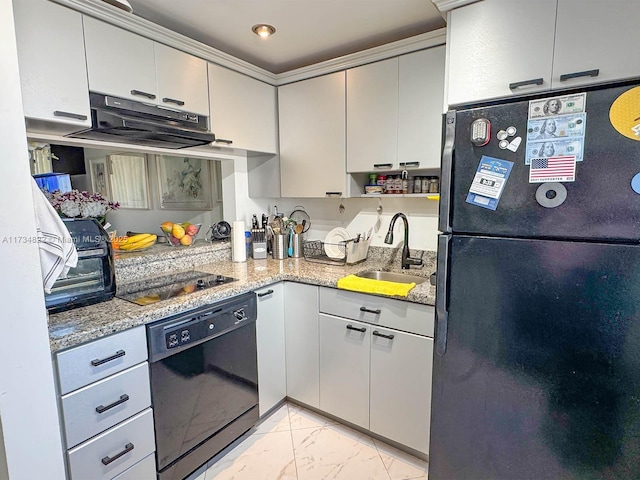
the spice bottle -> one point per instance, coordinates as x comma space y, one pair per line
424, 185
417, 184
404, 182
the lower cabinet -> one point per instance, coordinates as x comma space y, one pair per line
302, 357
272, 379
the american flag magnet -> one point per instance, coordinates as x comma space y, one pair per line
553, 169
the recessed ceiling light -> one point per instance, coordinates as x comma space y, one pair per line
263, 30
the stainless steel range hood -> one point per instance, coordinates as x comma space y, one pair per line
120, 120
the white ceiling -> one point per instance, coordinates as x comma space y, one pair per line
308, 31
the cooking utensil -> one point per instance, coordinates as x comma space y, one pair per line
299, 228
290, 249
301, 217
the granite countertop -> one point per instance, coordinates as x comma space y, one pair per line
79, 325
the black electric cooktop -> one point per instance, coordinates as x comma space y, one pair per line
170, 286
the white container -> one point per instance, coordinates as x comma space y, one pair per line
238, 242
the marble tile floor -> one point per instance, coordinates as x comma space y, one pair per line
297, 444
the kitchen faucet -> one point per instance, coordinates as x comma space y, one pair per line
407, 261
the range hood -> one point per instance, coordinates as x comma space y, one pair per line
120, 120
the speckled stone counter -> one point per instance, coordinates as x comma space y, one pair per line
70, 328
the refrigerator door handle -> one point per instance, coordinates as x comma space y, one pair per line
444, 222
442, 314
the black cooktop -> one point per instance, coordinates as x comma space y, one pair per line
170, 286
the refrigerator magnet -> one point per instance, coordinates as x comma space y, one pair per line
489, 182
551, 195
624, 114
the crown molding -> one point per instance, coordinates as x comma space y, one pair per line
145, 28
407, 45
446, 5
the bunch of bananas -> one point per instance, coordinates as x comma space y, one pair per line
134, 242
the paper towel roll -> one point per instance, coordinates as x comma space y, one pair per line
238, 242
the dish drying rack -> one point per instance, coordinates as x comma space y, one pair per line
349, 252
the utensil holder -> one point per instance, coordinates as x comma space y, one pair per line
279, 246
298, 242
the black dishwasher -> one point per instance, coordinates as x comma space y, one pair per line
204, 382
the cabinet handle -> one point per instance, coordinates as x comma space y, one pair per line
351, 327
118, 354
409, 164
222, 140
264, 294
586, 73
533, 81
378, 334
77, 116
333, 194
143, 94
123, 398
382, 165
365, 309
127, 448
173, 100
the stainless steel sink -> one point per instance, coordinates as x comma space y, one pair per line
392, 277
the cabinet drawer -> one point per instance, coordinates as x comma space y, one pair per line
120, 448
101, 405
388, 312
96, 360
143, 470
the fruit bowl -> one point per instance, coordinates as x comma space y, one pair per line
180, 234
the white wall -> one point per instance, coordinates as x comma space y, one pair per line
28, 409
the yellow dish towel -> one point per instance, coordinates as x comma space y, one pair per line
381, 287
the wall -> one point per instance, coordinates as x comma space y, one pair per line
28, 409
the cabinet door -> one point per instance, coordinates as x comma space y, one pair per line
344, 368
272, 379
312, 137
498, 49
182, 80
243, 110
119, 62
420, 107
372, 116
400, 400
53, 73
595, 40
301, 327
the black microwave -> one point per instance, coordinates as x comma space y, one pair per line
93, 279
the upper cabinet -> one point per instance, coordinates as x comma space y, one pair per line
572, 43
51, 56
394, 113
312, 137
243, 111
127, 65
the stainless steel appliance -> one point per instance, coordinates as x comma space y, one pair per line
116, 119
204, 382
536, 372
93, 279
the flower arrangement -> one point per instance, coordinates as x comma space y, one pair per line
76, 204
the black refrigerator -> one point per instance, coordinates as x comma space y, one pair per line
536, 371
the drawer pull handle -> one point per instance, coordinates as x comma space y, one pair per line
173, 100
333, 194
409, 164
123, 398
127, 448
77, 116
365, 309
382, 165
118, 354
378, 334
264, 294
143, 94
586, 73
533, 81
351, 327
223, 140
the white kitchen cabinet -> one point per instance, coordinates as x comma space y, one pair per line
243, 111
126, 65
312, 137
51, 56
420, 108
592, 39
498, 49
344, 368
400, 396
302, 357
272, 379
372, 116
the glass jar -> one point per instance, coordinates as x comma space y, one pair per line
388, 184
417, 184
434, 184
382, 182
424, 185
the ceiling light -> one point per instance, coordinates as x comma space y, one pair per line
263, 30
121, 4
